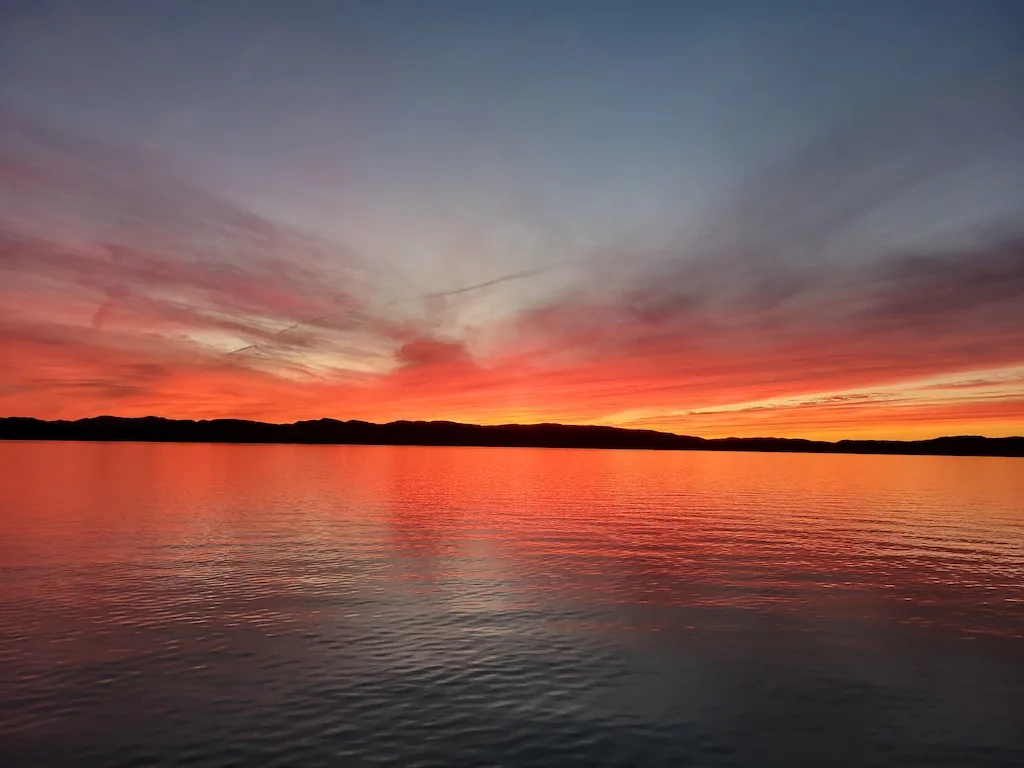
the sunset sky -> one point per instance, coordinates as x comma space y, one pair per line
713, 218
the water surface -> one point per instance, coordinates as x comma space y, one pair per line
350, 605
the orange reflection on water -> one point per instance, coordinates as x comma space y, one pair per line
935, 540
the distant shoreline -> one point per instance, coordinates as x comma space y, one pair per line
153, 429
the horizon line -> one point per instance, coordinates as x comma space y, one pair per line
104, 428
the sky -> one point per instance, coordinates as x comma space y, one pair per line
713, 218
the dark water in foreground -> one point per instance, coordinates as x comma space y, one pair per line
298, 605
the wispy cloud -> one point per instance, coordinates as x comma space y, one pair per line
797, 308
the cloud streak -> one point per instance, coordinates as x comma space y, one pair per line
816, 299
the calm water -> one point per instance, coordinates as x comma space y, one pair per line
299, 605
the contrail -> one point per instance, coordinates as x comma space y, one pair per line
485, 284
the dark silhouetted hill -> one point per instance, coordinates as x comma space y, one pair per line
329, 431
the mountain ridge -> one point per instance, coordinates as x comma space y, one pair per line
327, 431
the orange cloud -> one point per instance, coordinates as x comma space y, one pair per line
182, 305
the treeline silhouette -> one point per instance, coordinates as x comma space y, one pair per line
447, 433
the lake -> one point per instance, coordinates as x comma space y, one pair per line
366, 605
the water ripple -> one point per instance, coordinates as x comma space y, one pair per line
300, 605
